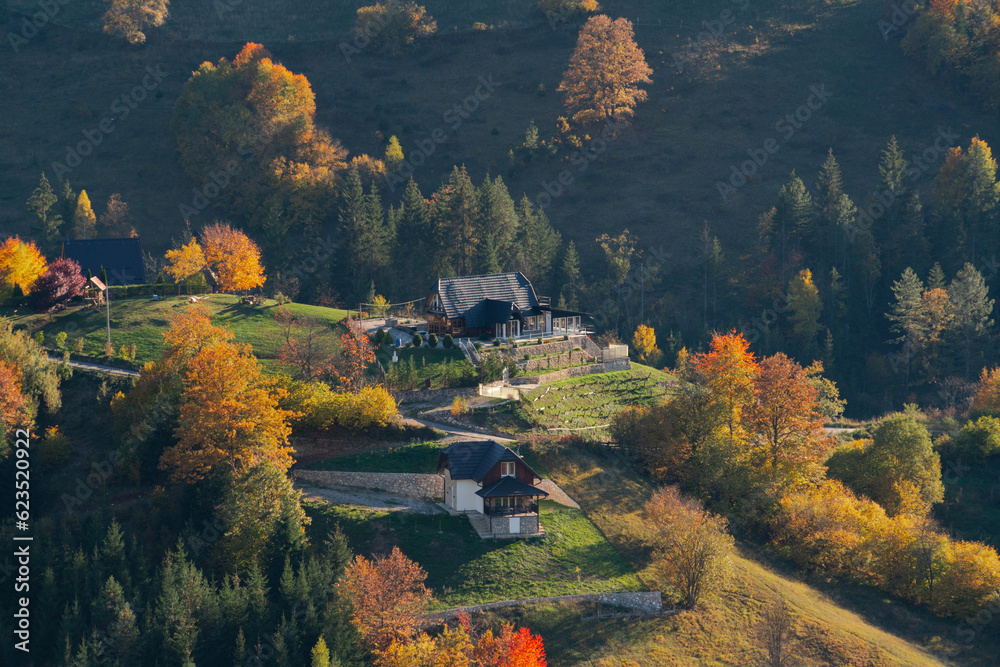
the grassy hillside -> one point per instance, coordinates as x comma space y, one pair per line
142, 322
696, 124
837, 624
463, 569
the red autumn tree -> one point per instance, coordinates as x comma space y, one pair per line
602, 82
386, 594
731, 371
61, 282
356, 356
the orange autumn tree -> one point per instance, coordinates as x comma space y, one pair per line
460, 645
730, 371
987, 400
228, 415
233, 257
602, 82
14, 412
185, 261
21, 264
386, 594
784, 419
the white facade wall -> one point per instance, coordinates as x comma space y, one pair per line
460, 494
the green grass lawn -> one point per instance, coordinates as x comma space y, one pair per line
417, 458
428, 364
462, 569
141, 321
591, 400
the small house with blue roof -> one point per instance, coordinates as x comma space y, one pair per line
484, 477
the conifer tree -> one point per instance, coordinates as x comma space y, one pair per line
936, 277
794, 215
972, 307
570, 276
67, 203
320, 654
413, 236
908, 315
455, 215
42, 203
393, 155
498, 220
537, 243
982, 194
829, 190
84, 219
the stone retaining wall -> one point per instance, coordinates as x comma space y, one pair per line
575, 371
409, 485
643, 603
562, 359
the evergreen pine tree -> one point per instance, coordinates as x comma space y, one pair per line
413, 236
907, 314
320, 654
569, 277
67, 203
455, 216
41, 203
794, 216
936, 277
972, 307
537, 243
240, 651
497, 220
982, 194
829, 189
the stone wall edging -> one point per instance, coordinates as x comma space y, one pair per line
642, 602
409, 485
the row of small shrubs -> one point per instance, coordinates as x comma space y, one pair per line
319, 408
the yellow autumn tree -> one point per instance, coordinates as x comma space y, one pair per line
20, 264
233, 257
126, 19
602, 82
84, 220
185, 261
644, 343
228, 415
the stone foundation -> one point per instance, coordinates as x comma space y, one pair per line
500, 525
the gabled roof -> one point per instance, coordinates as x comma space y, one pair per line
510, 487
121, 259
473, 459
480, 299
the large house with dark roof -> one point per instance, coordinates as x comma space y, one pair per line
484, 477
120, 258
499, 305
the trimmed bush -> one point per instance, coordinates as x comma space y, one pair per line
448, 341
496, 342
320, 408
417, 340
432, 340
477, 345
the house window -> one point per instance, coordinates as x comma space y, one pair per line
505, 501
507, 469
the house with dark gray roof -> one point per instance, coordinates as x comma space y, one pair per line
120, 258
499, 305
484, 477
